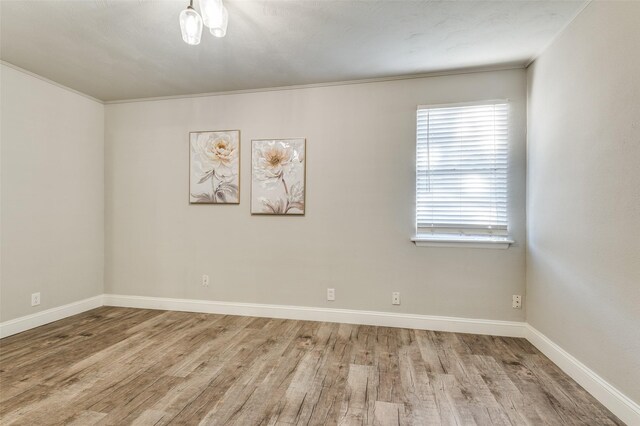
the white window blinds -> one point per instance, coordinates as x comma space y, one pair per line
461, 178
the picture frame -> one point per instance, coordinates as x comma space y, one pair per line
278, 177
214, 167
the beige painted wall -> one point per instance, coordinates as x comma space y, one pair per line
583, 263
52, 172
356, 234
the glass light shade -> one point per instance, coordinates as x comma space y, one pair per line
215, 16
191, 26
219, 28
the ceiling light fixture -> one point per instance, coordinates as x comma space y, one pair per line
214, 16
219, 21
191, 25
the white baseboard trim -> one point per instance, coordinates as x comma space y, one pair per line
618, 403
385, 319
28, 322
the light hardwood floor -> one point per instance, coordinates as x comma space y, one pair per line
123, 366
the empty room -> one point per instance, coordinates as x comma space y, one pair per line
319, 212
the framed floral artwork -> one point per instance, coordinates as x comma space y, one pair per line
214, 167
278, 172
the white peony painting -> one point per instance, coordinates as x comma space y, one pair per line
278, 176
214, 167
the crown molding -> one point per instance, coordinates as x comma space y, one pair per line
558, 34
326, 84
46, 80
475, 70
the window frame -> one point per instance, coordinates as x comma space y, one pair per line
456, 236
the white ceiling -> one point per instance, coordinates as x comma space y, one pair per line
115, 50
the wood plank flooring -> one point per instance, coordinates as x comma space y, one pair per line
119, 366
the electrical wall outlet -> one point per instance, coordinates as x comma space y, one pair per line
205, 281
516, 302
331, 294
395, 298
35, 299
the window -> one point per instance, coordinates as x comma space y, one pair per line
461, 174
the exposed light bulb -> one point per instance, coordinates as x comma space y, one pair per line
191, 26
219, 28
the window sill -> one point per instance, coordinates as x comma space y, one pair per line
462, 241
